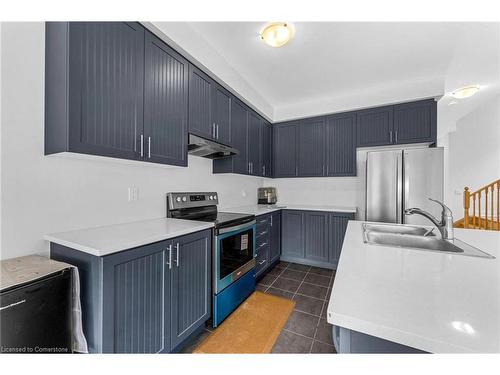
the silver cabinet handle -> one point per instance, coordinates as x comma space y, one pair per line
390, 136
262, 221
263, 244
177, 257
142, 145
262, 262
217, 131
271, 217
396, 136
261, 233
149, 147
251, 167
263, 170
169, 263
213, 130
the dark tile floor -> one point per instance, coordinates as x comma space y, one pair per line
306, 330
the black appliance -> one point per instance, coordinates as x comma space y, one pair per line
36, 317
233, 258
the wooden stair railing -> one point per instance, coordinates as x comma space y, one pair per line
485, 208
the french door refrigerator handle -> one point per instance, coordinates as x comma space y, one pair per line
399, 188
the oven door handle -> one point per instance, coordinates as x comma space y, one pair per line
236, 228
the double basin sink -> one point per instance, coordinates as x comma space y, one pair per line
419, 238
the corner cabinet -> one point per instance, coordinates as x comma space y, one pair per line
148, 299
113, 89
313, 237
406, 123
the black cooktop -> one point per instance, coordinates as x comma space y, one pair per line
226, 219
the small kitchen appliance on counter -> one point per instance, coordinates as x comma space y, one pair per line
233, 250
267, 195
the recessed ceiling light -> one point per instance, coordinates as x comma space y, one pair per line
277, 34
465, 92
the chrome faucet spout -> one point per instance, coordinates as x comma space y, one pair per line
445, 225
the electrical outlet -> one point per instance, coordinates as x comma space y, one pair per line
133, 194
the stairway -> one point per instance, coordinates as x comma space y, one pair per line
485, 206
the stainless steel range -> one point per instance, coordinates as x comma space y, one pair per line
233, 257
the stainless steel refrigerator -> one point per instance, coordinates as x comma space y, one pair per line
400, 179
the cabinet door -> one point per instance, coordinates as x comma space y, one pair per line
191, 284
374, 126
239, 122
311, 147
201, 89
266, 140
165, 103
261, 260
341, 145
136, 295
285, 149
316, 236
222, 115
275, 237
106, 88
415, 122
292, 234
254, 125
337, 226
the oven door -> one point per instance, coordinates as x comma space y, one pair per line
234, 254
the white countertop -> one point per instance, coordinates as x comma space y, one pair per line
439, 303
110, 239
258, 209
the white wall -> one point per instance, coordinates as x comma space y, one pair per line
474, 152
48, 194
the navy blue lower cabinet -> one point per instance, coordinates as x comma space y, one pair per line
313, 237
191, 292
316, 236
149, 299
337, 226
292, 234
347, 341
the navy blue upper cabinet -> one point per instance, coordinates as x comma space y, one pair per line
341, 145
266, 139
285, 149
165, 104
191, 292
94, 88
254, 144
201, 91
415, 122
222, 115
311, 148
374, 126
113, 89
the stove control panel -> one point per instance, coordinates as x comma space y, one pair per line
177, 201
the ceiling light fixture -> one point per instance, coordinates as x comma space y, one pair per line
465, 92
277, 34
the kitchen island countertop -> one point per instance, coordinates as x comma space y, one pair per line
435, 302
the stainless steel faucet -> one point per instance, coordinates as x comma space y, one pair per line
445, 226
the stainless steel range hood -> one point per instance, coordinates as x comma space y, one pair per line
209, 149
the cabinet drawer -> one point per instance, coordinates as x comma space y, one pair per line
262, 260
262, 241
262, 223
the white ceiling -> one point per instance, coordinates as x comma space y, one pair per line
328, 66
